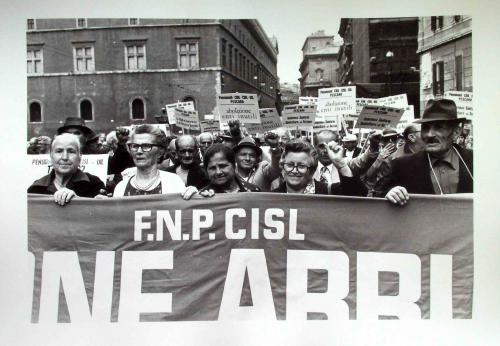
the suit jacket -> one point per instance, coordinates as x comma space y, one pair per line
414, 173
196, 176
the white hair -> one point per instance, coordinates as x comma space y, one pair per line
69, 137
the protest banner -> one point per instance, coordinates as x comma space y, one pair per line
308, 100
251, 256
236, 106
463, 100
189, 105
40, 165
210, 126
335, 102
378, 117
186, 119
407, 118
298, 116
396, 101
360, 103
270, 120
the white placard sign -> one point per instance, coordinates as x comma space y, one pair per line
396, 101
210, 126
189, 105
186, 119
407, 118
270, 120
162, 127
301, 116
333, 102
360, 103
236, 106
308, 100
40, 165
463, 100
325, 125
378, 117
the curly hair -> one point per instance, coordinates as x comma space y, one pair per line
300, 146
160, 137
219, 148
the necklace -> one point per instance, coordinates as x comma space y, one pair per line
147, 187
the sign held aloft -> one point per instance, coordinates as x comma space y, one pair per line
270, 120
378, 117
236, 106
188, 120
301, 116
463, 100
189, 105
210, 126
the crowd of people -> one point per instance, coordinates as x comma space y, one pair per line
429, 157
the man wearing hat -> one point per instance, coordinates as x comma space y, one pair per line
441, 168
351, 150
77, 127
250, 166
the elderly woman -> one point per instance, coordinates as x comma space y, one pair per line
299, 162
66, 180
147, 145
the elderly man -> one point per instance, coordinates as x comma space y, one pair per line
188, 166
251, 167
412, 141
440, 168
205, 140
77, 127
66, 180
351, 149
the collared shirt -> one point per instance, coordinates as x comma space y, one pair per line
84, 184
182, 173
331, 173
446, 172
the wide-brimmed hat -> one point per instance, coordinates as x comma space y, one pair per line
439, 110
389, 132
350, 138
248, 142
78, 123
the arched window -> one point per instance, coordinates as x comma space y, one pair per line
86, 112
35, 115
138, 109
188, 99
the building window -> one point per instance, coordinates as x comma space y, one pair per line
187, 54
319, 74
137, 110
223, 53
457, 18
34, 60
135, 57
236, 71
35, 115
459, 73
133, 21
230, 57
81, 22
190, 99
84, 59
438, 78
86, 112
436, 22
244, 68
31, 24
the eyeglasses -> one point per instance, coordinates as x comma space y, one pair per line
301, 168
145, 147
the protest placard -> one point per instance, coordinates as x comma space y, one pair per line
40, 165
378, 117
308, 100
210, 126
407, 118
301, 116
186, 119
463, 100
270, 120
334, 102
189, 105
163, 127
396, 101
360, 103
162, 259
236, 106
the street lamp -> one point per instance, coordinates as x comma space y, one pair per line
389, 56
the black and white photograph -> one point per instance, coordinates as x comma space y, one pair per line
252, 177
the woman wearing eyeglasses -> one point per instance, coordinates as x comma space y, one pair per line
146, 146
298, 164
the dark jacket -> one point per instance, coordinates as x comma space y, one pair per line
243, 185
84, 184
356, 152
414, 173
196, 175
348, 186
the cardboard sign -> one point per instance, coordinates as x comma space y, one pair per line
171, 109
163, 127
236, 106
187, 120
210, 126
396, 101
308, 100
325, 125
301, 116
40, 165
360, 103
270, 120
334, 102
463, 100
407, 118
378, 117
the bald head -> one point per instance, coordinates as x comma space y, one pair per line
411, 128
187, 150
326, 136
